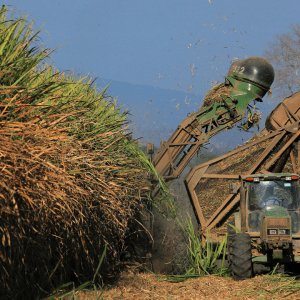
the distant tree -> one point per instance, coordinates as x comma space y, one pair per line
284, 54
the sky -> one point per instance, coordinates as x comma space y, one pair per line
178, 46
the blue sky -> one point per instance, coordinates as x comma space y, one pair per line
183, 46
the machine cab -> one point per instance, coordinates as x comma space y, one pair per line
272, 197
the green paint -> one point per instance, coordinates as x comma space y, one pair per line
262, 258
246, 87
279, 175
277, 254
275, 211
237, 219
241, 95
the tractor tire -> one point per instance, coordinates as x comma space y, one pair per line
241, 256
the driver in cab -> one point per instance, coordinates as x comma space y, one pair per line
270, 198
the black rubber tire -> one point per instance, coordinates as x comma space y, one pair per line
241, 257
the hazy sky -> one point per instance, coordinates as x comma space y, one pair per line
178, 45
155, 42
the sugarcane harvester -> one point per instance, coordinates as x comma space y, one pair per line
263, 200
248, 80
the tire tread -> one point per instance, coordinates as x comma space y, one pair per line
241, 256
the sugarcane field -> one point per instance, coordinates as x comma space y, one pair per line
92, 207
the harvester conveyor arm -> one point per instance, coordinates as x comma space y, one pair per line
199, 127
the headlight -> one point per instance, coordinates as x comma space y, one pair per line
284, 231
280, 231
272, 231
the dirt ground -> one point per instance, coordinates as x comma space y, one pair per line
151, 286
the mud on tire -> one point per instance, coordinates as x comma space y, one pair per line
240, 256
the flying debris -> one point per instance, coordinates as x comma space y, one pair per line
185, 101
190, 87
199, 41
192, 69
189, 46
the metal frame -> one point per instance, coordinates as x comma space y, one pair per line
285, 119
282, 126
230, 201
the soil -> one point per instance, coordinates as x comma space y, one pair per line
152, 286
